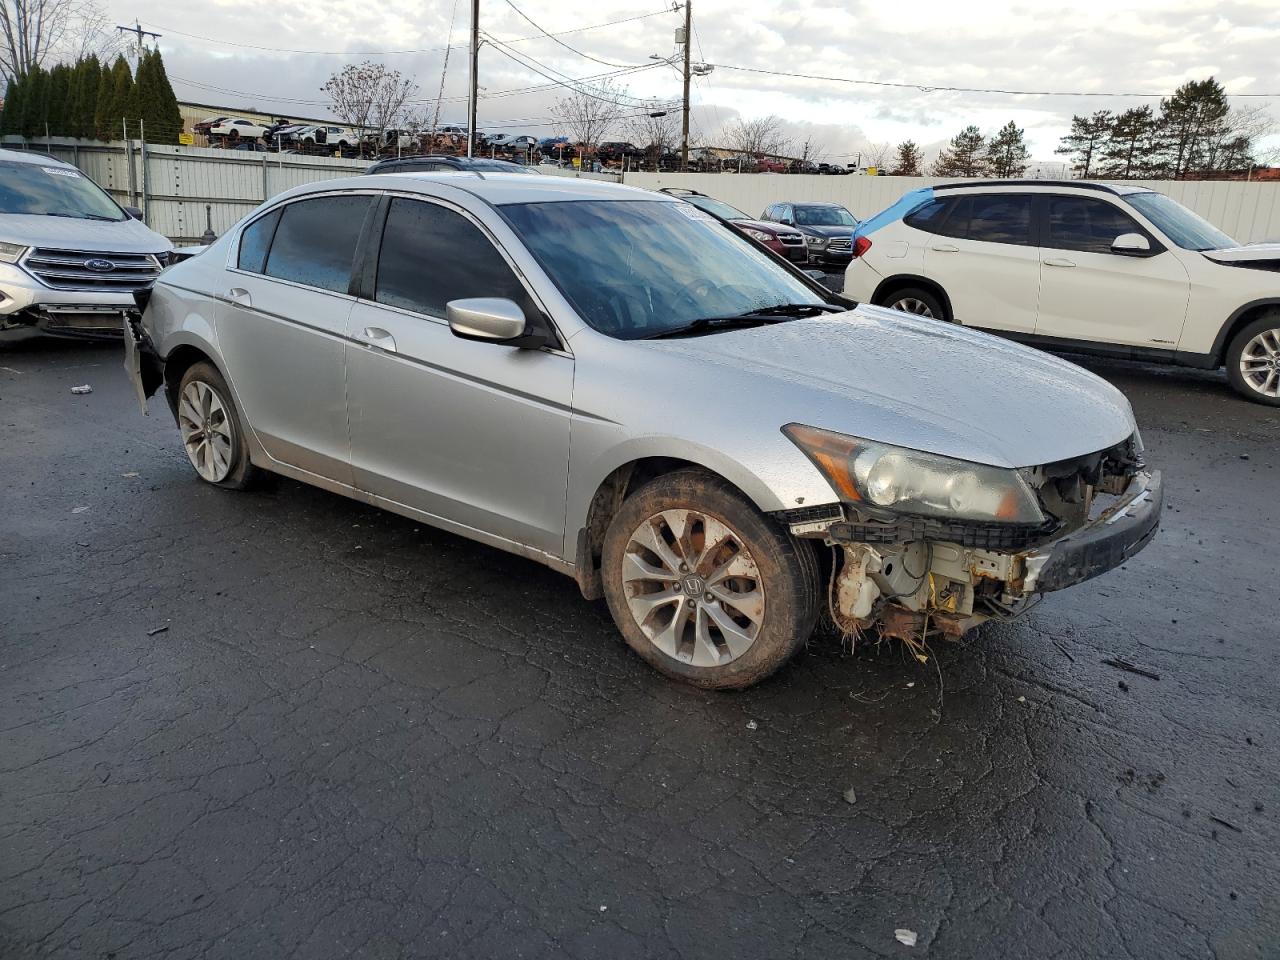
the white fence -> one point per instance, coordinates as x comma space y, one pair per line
175, 185
1249, 212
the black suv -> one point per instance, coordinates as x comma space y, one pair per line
439, 164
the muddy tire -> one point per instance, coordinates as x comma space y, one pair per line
914, 300
704, 586
213, 433
1253, 360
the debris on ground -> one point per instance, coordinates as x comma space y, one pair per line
131, 474
1022, 699
154, 630
752, 725
1128, 667
79, 509
82, 389
850, 796
1225, 823
905, 937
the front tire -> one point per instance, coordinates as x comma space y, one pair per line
1253, 360
916, 301
213, 433
703, 586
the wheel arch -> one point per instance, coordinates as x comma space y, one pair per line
1238, 320
901, 281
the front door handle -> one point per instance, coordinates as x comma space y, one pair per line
945, 248
377, 337
240, 297
1059, 262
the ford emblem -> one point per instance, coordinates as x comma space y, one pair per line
99, 265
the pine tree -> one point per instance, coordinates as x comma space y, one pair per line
1086, 140
35, 102
59, 94
1129, 151
83, 98
122, 104
11, 118
1193, 118
909, 159
102, 104
1007, 152
157, 105
964, 157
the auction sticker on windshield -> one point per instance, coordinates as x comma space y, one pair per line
58, 172
693, 213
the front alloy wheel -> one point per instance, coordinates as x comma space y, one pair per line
206, 432
1253, 360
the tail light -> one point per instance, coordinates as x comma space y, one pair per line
860, 246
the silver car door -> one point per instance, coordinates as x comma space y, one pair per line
282, 325
473, 433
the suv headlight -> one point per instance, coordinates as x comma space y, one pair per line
757, 235
899, 480
815, 241
11, 252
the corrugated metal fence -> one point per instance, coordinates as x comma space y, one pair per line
175, 185
1249, 212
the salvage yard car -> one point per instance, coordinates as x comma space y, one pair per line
1092, 268
827, 229
614, 383
71, 258
784, 241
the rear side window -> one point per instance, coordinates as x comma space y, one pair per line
315, 242
991, 218
1086, 224
431, 255
255, 240
927, 217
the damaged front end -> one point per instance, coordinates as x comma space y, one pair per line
977, 543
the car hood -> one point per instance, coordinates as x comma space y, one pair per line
820, 231
90, 236
887, 376
1246, 253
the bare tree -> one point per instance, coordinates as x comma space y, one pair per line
656, 135
760, 136
878, 155
806, 150
34, 31
368, 96
587, 116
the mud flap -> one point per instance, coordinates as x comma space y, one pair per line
140, 361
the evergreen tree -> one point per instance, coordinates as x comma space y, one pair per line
1007, 152
11, 118
965, 156
84, 97
34, 102
909, 159
59, 94
122, 104
1130, 150
1086, 140
102, 104
157, 106
1192, 119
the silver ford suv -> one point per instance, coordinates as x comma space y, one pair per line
71, 258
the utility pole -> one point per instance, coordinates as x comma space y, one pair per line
684, 124
474, 92
138, 33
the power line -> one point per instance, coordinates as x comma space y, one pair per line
564, 80
557, 40
942, 88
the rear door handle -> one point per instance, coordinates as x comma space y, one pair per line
945, 248
240, 297
377, 337
1059, 262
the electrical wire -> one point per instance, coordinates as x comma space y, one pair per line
557, 40
574, 83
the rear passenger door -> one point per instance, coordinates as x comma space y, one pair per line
282, 323
984, 256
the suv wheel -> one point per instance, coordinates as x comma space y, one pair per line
705, 587
914, 300
212, 432
1253, 360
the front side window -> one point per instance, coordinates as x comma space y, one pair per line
431, 255
52, 190
638, 268
991, 218
824, 217
315, 242
1186, 229
1086, 224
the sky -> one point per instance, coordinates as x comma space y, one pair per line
276, 56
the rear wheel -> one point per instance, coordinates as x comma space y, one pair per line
212, 432
917, 301
1253, 360
703, 586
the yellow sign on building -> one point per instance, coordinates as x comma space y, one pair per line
186, 139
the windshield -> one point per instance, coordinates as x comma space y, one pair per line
1188, 230
824, 217
639, 268
53, 191
718, 207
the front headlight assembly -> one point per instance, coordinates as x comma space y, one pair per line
11, 252
757, 234
815, 241
881, 480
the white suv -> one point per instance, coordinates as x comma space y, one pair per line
1082, 267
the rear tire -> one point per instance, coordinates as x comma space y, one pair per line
1253, 360
213, 433
746, 600
916, 301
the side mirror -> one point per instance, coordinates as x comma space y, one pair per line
1131, 244
493, 319
788, 221
133, 212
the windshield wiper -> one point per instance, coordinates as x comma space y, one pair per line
84, 216
761, 316
794, 310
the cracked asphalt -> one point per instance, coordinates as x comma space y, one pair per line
361, 737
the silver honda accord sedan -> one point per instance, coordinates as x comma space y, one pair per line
616, 384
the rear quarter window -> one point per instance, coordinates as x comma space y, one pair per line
928, 216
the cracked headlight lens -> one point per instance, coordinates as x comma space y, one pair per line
11, 252
896, 479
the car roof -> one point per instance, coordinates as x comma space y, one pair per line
1119, 189
493, 188
812, 203
28, 156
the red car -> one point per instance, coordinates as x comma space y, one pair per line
785, 241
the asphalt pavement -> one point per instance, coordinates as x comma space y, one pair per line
282, 724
